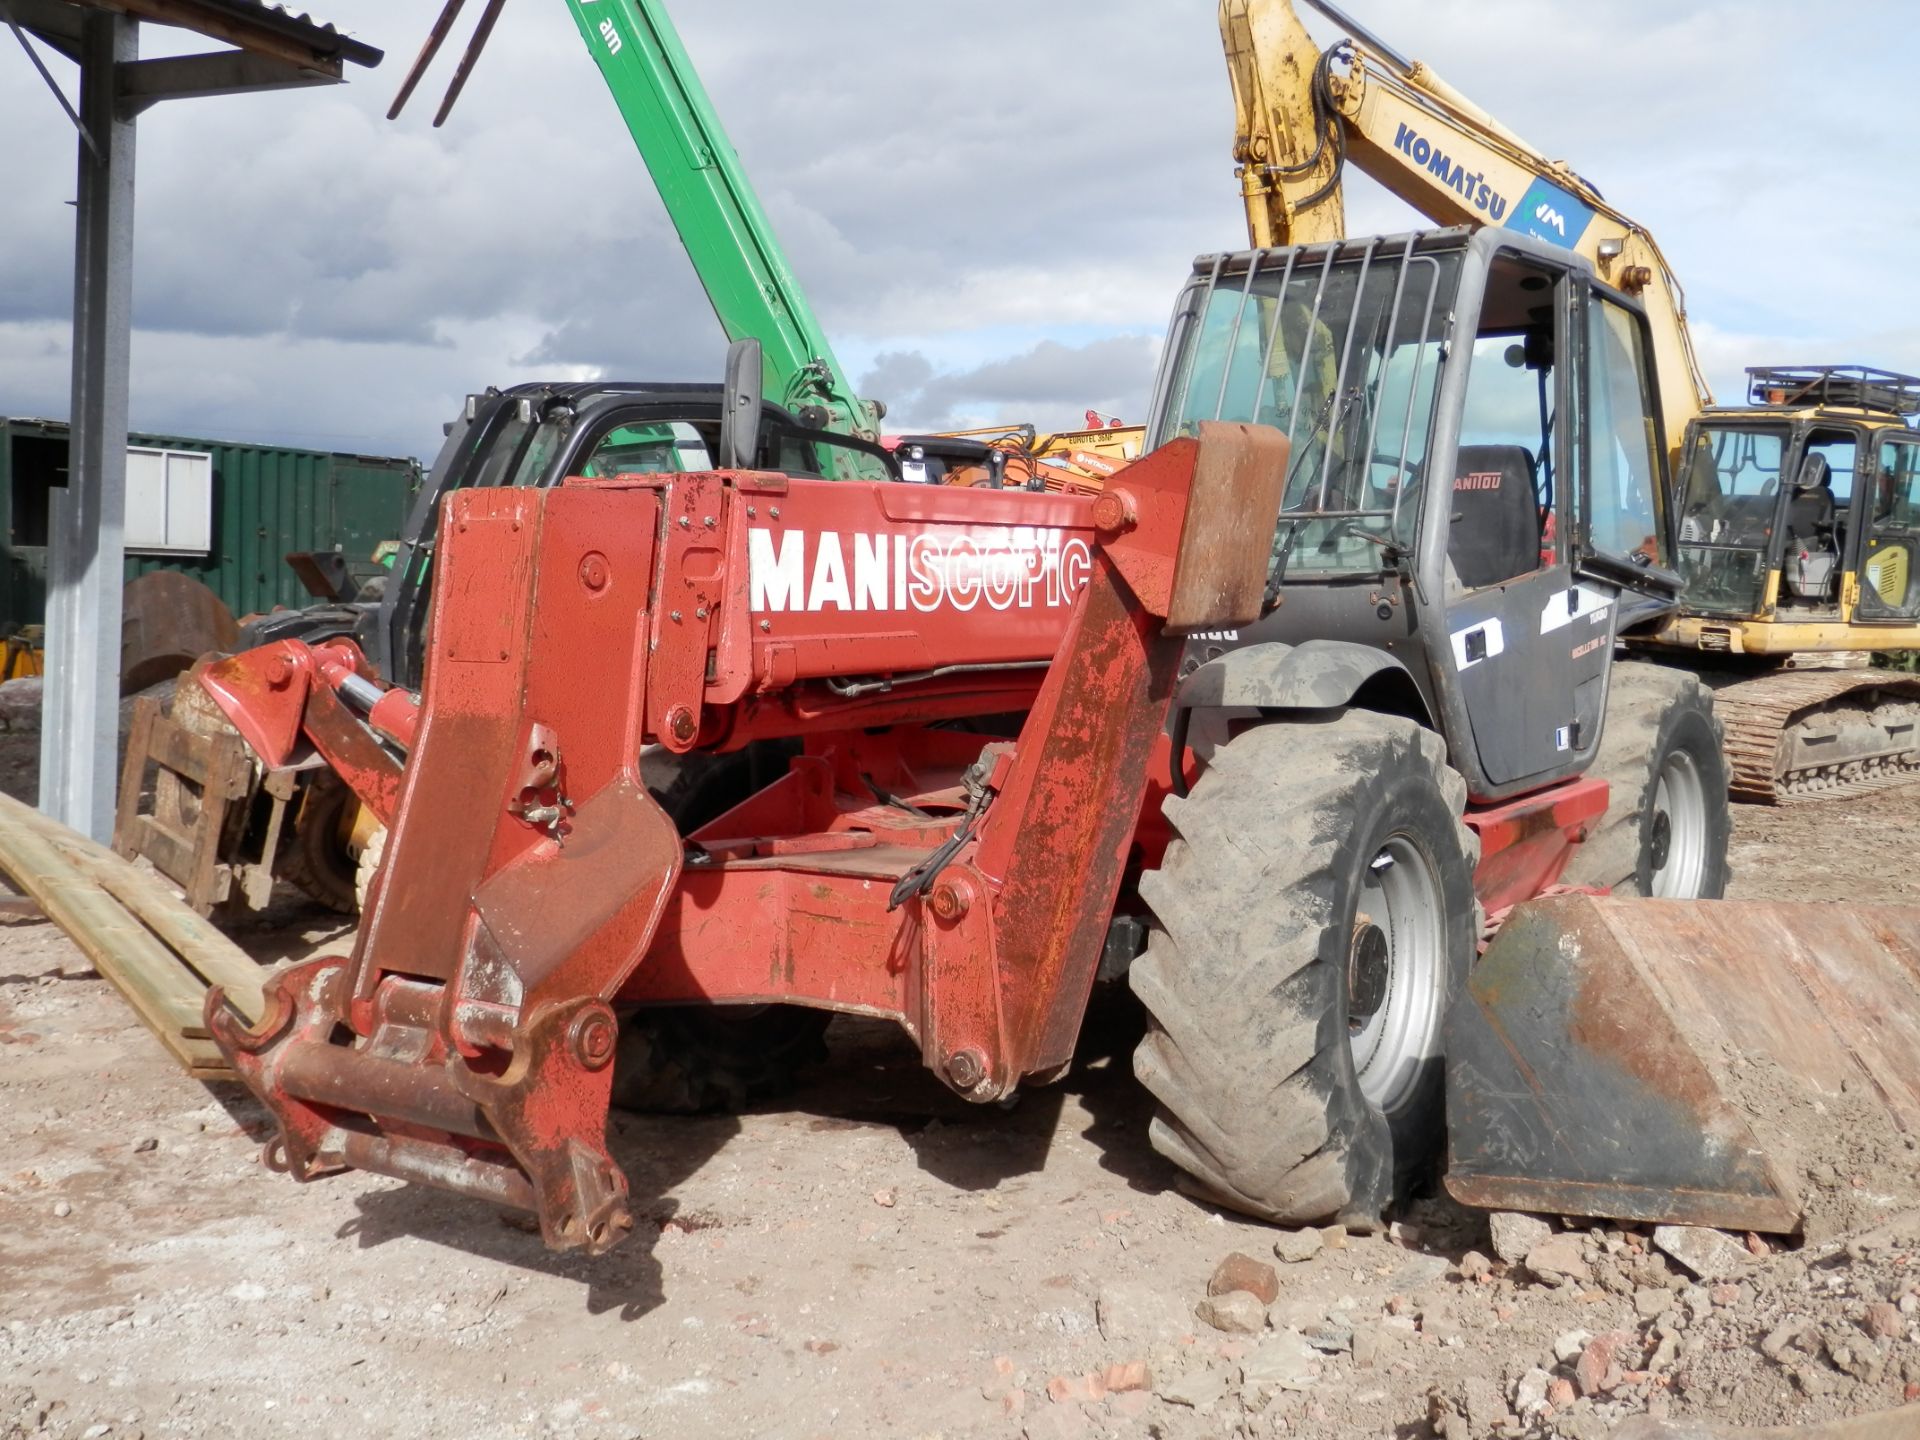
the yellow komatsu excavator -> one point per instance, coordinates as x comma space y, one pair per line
1799, 513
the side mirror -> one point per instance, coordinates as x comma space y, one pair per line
740, 407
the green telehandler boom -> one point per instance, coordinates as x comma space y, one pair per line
712, 204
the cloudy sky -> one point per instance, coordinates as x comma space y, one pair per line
990, 205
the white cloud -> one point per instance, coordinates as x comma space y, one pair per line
970, 186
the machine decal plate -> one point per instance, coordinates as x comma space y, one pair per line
1473, 187
1575, 603
1549, 213
1015, 567
1482, 640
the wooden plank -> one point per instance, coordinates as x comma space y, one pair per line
161, 991
158, 954
194, 939
133, 774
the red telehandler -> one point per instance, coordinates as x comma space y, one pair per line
1276, 726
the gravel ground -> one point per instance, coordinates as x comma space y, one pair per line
870, 1256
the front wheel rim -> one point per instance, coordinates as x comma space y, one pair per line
1677, 829
1402, 903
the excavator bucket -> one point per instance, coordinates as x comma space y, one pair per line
1684, 1062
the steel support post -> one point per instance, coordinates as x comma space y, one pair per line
85, 565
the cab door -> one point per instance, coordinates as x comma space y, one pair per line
1624, 538
1887, 520
1517, 603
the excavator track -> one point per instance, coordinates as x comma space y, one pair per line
1813, 734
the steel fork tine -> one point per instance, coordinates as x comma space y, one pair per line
474, 46
448, 14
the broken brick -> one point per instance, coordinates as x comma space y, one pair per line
1243, 1272
1598, 1370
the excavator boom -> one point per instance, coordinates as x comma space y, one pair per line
1299, 117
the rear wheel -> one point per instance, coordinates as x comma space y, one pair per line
318, 856
687, 1061
1667, 824
1313, 918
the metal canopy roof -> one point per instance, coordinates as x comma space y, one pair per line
273, 47
262, 47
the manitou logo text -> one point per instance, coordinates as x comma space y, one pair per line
1021, 569
1471, 185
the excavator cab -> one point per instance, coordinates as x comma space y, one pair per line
1800, 543
1791, 515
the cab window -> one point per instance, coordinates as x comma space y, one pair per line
1502, 498
1620, 459
664, 447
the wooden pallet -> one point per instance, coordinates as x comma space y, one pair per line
183, 840
158, 953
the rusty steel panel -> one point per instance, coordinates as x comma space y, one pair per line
1678, 1061
1225, 552
531, 877
168, 621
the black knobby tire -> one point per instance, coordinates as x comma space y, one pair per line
1659, 839
317, 857
367, 865
1246, 975
688, 1060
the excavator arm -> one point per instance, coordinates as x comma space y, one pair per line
1300, 119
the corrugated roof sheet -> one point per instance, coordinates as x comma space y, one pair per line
295, 25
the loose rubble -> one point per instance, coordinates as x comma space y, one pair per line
772, 1292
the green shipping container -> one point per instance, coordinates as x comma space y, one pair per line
225, 513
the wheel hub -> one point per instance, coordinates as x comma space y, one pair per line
1369, 967
1660, 839
1396, 972
1677, 830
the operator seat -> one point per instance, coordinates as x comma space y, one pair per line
1495, 534
1810, 512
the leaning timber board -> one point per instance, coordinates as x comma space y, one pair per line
159, 954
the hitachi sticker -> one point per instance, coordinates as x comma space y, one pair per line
1018, 568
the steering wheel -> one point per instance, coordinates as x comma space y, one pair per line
1405, 466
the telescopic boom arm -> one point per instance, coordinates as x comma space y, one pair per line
708, 197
